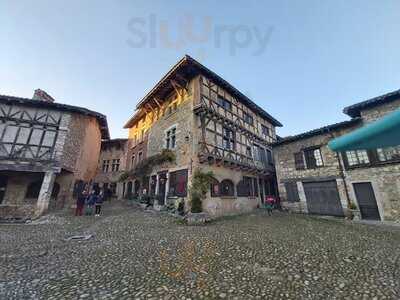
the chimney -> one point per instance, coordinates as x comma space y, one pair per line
42, 96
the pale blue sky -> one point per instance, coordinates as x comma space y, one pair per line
319, 57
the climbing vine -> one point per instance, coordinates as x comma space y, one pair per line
144, 167
200, 184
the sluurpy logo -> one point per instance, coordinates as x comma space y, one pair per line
153, 32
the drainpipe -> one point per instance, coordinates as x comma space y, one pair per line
342, 175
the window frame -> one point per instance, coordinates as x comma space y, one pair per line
292, 192
228, 139
310, 160
231, 185
248, 118
170, 138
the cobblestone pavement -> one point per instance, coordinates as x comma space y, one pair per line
147, 255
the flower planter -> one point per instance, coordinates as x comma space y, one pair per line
356, 214
197, 218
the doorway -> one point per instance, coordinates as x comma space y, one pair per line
162, 177
366, 201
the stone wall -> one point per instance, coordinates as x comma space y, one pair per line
286, 170
372, 114
385, 178
111, 152
227, 205
81, 153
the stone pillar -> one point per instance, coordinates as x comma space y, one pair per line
157, 190
45, 193
166, 189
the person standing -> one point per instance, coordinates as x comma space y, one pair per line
98, 203
269, 203
80, 201
90, 202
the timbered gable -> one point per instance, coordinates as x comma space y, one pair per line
28, 133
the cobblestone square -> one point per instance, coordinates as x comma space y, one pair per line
147, 255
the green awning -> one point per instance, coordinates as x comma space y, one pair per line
382, 133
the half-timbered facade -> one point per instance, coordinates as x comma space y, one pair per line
45, 148
210, 125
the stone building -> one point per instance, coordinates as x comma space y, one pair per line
312, 178
112, 163
209, 125
46, 149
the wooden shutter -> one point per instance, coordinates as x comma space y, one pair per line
299, 161
292, 192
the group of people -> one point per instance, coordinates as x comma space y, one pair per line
90, 201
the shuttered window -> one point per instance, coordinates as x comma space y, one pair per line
299, 161
292, 192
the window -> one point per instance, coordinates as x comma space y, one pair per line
292, 192
245, 187
132, 161
249, 152
106, 165
113, 188
357, 157
224, 103
299, 161
388, 154
215, 188
270, 159
170, 140
140, 156
115, 165
257, 152
313, 158
264, 130
227, 188
143, 134
178, 183
248, 118
228, 139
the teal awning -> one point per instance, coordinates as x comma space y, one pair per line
384, 132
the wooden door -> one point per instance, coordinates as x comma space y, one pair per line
366, 201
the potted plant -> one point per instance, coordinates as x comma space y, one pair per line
355, 212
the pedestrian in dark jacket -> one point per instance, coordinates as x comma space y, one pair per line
99, 202
80, 202
90, 202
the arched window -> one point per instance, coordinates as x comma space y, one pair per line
129, 188
136, 187
227, 188
215, 188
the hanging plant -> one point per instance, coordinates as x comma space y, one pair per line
143, 168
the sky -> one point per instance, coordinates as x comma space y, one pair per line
302, 61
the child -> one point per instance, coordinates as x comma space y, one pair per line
269, 204
98, 203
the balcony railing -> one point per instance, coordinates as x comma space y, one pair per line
212, 153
